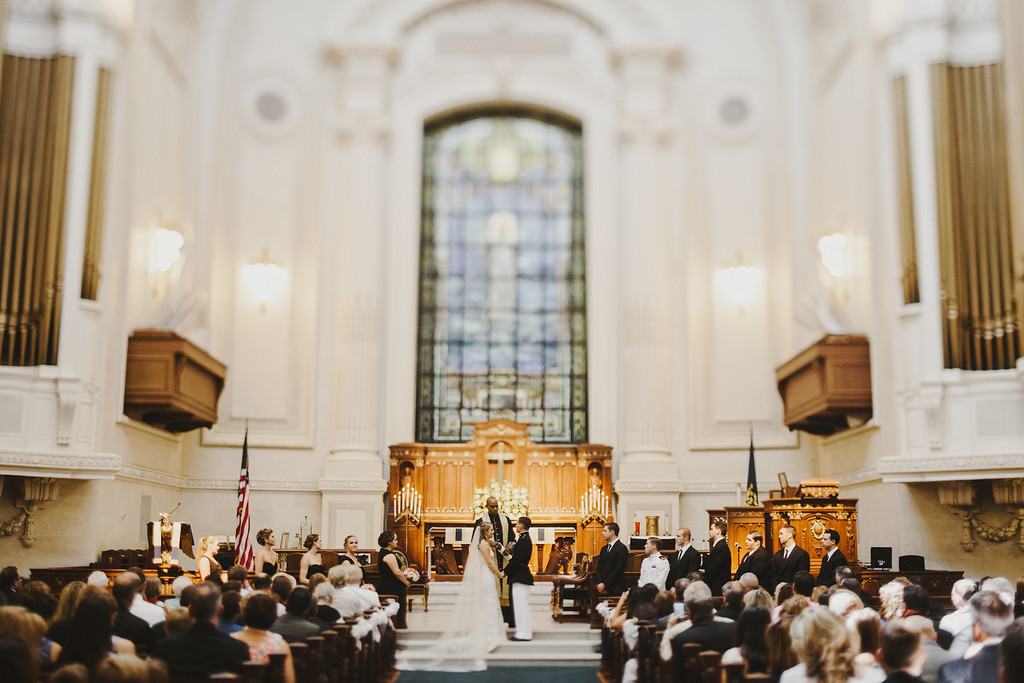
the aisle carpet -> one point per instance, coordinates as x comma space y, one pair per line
505, 674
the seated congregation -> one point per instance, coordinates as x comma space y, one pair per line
235, 625
804, 632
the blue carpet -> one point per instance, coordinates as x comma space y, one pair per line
506, 674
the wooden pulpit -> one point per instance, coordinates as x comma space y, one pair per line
814, 509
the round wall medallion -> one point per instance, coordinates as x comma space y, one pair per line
732, 111
270, 106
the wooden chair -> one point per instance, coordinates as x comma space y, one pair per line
733, 673
253, 672
648, 659
300, 661
329, 655
275, 670
573, 589
691, 663
711, 666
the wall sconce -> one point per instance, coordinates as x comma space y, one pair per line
834, 254
740, 284
165, 248
265, 278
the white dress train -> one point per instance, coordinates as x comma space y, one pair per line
475, 627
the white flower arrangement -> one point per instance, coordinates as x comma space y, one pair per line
514, 501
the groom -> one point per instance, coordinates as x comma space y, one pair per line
519, 576
503, 534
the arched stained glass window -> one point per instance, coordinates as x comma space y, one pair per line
502, 314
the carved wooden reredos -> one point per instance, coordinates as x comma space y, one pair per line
446, 474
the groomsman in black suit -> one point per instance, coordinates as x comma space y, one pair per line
718, 563
757, 561
521, 578
833, 560
684, 560
790, 559
611, 563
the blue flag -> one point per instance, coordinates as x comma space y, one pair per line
752, 500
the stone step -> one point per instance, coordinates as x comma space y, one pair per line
547, 647
443, 594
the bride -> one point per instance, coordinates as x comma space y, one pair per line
475, 626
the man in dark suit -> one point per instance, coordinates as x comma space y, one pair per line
757, 561
992, 618
684, 560
705, 630
901, 655
126, 624
834, 558
790, 559
733, 593
202, 649
718, 563
521, 578
1011, 654
611, 563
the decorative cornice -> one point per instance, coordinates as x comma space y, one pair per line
677, 486
232, 485
353, 486
145, 475
60, 465
859, 478
950, 468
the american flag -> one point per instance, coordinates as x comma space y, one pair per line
243, 548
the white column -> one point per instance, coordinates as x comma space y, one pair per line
355, 469
647, 475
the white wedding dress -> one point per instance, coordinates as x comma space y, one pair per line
475, 626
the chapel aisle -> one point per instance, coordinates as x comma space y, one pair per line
564, 652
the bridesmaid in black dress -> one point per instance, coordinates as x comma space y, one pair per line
351, 545
392, 581
266, 556
311, 562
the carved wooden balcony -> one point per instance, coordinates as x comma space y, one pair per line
171, 383
826, 388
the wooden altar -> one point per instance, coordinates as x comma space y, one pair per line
444, 476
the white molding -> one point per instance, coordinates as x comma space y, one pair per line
364, 486
150, 477
945, 468
60, 465
232, 485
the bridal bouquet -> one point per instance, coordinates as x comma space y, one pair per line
514, 501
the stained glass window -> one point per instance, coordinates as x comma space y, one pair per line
502, 314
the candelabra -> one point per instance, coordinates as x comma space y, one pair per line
595, 508
407, 507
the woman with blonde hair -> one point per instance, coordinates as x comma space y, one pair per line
31, 628
209, 567
129, 669
266, 556
826, 650
759, 596
843, 602
66, 606
890, 597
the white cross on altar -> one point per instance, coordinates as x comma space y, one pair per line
501, 456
